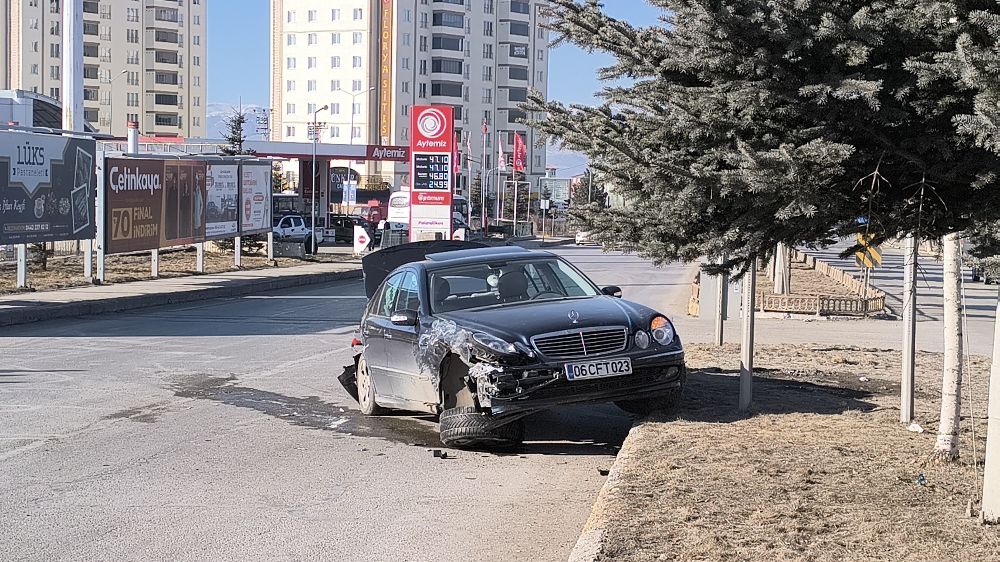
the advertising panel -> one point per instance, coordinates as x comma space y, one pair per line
255, 198
154, 203
222, 213
431, 147
47, 188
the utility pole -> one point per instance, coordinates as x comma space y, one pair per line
906, 402
72, 109
721, 302
315, 139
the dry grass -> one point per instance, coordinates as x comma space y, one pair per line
821, 471
64, 272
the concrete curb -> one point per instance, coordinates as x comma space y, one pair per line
229, 288
591, 542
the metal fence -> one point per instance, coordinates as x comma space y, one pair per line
869, 300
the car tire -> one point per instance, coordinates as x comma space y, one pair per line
366, 390
466, 427
643, 407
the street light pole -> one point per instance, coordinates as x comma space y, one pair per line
354, 96
315, 139
111, 105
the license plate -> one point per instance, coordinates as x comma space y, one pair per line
598, 369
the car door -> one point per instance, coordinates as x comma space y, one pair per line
411, 379
374, 330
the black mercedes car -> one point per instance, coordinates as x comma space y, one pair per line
487, 336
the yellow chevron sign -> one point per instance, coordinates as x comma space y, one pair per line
868, 256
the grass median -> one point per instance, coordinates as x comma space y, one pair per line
822, 470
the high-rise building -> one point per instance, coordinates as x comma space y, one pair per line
143, 61
370, 61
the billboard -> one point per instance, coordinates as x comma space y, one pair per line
222, 212
47, 188
255, 198
385, 85
154, 203
431, 180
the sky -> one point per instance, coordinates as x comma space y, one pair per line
238, 58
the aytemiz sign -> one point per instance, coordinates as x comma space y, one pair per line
432, 142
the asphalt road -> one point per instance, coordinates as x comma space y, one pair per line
217, 431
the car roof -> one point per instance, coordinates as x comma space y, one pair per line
462, 257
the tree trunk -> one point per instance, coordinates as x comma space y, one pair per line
782, 270
946, 448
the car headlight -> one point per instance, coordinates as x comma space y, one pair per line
641, 339
494, 343
662, 330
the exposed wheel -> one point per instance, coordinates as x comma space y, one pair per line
645, 406
366, 390
466, 427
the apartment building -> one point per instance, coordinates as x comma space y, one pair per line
370, 61
143, 61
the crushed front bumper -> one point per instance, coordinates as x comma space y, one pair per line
515, 391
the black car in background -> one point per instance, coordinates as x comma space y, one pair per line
487, 336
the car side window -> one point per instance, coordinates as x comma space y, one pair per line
536, 284
390, 291
296, 222
409, 295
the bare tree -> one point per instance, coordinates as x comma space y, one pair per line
946, 448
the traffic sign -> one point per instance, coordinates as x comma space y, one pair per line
869, 256
361, 239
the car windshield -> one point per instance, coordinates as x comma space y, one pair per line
497, 283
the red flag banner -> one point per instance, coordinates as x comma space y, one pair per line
520, 153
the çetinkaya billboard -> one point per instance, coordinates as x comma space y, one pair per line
47, 188
154, 203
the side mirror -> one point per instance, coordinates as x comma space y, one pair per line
612, 291
404, 318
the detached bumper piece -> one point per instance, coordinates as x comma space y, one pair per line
538, 390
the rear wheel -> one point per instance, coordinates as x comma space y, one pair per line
366, 390
466, 427
645, 406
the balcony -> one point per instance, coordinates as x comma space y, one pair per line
166, 120
163, 60
165, 78
166, 99
514, 10
164, 37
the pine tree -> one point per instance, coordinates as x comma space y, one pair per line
748, 123
476, 194
235, 135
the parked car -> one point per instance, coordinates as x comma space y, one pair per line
582, 238
487, 336
340, 228
295, 227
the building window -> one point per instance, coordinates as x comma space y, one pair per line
405, 63
290, 39
196, 20
289, 109
311, 39
406, 39
311, 15
359, 14
34, 69
488, 29
423, 43
541, 54
423, 68
54, 93
197, 81
407, 15
290, 85
334, 85
54, 50
335, 15
290, 63
449, 19
356, 109
55, 72
334, 132
335, 38
406, 87
311, 62
334, 62
196, 60
488, 51
289, 131
423, 21
356, 133
487, 95
423, 90
356, 86
291, 17
310, 108
488, 73
356, 62
335, 109
311, 86
196, 40
405, 110
356, 38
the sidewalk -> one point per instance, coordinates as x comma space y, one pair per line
22, 308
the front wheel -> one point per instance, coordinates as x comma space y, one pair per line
466, 427
366, 390
644, 406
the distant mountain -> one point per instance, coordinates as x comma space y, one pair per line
567, 162
216, 114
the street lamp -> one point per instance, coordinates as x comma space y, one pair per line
111, 106
354, 96
315, 139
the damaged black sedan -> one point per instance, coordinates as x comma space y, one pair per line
487, 336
